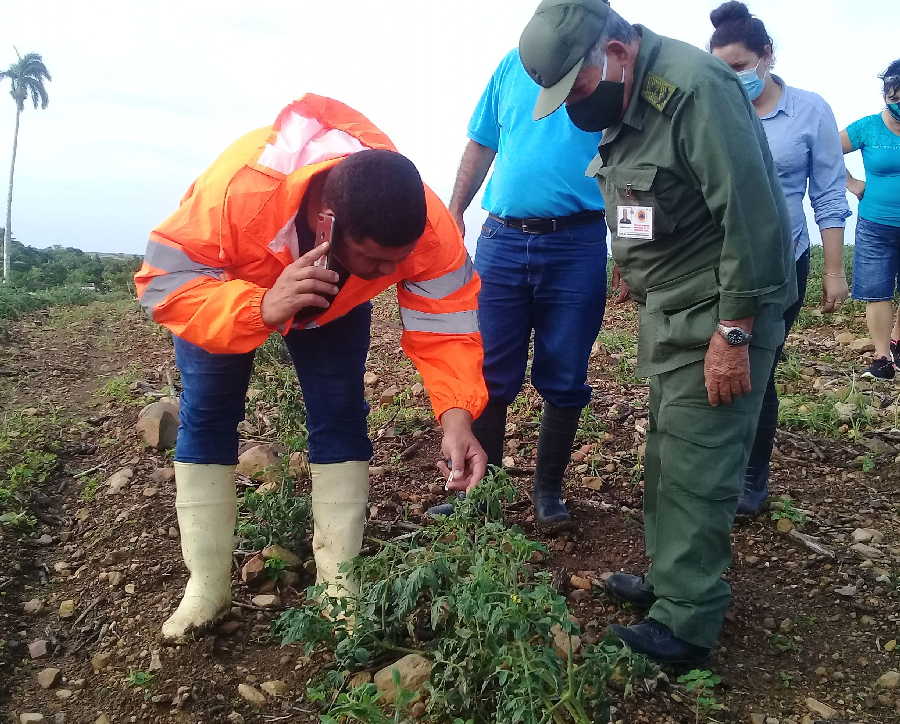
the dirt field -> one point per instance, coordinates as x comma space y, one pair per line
93, 574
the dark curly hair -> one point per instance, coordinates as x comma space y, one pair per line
891, 77
733, 23
379, 195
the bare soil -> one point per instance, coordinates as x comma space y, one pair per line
802, 625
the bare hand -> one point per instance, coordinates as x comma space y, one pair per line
299, 286
467, 458
726, 371
619, 286
857, 187
834, 291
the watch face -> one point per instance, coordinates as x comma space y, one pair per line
735, 337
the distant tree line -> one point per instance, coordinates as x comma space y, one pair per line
36, 270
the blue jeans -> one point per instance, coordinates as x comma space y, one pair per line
330, 362
756, 476
554, 284
876, 261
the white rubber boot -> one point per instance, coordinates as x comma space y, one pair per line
206, 504
340, 492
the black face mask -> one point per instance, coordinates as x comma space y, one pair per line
602, 108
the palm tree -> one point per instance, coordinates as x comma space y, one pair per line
26, 77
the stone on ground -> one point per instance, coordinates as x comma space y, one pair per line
158, 425
414, 671
254, 462
821, 709
275, 687
252, 695
119, 480
48, 677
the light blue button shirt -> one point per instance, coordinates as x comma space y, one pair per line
539, 167
806, 147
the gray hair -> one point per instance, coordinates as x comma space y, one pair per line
617, 28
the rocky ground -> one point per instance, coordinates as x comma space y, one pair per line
89, 577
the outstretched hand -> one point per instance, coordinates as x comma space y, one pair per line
468, 461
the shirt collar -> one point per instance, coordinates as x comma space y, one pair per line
785, 102
634, 115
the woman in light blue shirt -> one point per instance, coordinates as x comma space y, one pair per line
876, 256
806, 148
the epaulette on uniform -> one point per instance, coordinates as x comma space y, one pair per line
661, 94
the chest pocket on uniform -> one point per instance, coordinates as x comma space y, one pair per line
634, 186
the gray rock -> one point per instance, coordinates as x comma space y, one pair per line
117, 482
31, 718
158, 425
888, 680
864, 551
867, 535
38, 649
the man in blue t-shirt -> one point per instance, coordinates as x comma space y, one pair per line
541, 256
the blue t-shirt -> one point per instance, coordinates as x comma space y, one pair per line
881, 159
539, 167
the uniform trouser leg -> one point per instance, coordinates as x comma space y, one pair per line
696, 460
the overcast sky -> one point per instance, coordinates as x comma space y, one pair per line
145, 94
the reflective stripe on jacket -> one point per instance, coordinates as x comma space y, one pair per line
209, 264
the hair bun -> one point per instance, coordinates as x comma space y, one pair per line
729, 12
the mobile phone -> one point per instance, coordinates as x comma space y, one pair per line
324, 234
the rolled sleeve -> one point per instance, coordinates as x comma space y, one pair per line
827, 174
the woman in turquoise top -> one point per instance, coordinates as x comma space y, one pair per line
876, 259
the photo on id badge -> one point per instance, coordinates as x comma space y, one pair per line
635, 222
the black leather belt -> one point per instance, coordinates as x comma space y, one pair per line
547, 226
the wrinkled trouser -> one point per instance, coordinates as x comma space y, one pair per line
694, 473
329, 361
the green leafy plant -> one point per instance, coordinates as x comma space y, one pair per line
274, 567
90, 487
701, 684
465, 593
784, 507
140, 679
280, 516
781, 643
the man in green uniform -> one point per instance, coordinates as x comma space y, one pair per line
701, 235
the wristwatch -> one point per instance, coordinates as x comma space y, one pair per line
735, 336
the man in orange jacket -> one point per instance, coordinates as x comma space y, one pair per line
238, 260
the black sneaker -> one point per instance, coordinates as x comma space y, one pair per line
881, 369
895, 352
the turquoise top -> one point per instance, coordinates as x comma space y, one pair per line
881, 158
539, 166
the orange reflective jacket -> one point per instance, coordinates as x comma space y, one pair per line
208, 265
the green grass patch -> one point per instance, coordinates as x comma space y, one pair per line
28, 447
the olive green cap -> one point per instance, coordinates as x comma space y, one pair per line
554, 43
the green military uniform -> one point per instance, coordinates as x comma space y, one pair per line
701, 233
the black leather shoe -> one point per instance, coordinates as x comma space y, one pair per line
656, 641
627, 588
447, 508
